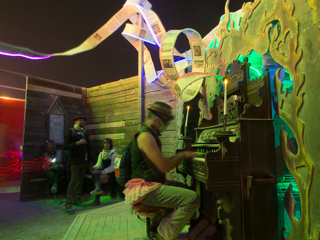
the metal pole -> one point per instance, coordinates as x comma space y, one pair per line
141, 101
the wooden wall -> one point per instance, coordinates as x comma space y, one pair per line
112, 111
40, 94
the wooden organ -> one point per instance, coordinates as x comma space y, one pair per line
235, 170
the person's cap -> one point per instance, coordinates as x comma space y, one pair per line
49, 140
162, 110
79, 117
108, 140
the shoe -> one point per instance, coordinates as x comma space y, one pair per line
79, 204
97, 191
54, 188
57, 200
69, 211
94, 204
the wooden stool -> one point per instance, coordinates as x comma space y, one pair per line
147, 212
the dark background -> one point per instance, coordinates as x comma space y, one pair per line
57, 26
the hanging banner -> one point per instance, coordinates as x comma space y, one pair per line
187, 86
153, 32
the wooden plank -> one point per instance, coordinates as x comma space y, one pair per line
132, 122
73, 110
120, 82
35, 116
53, 91
112, 130
35, 129
168, 134
125, 110
168, 148
74, 228
130, 135
109, 96
123, 227
45, 100
115, 228
98, 144
121, 117
112, 136
100, 227
111, 210
34, 138
113, 112
48, 98
106, 102
123, 212
95, 88
135, 104
102, 209
95, 120
106, 125
34, 124
108, 227
84, 101
92, 227
111, 90
54, 85
167, 140
37, 108
109, 107
83, 230
132, 97
136, 228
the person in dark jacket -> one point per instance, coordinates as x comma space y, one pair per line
76, 143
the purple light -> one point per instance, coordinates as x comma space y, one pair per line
144, 40
157, 76
23, 55
148, 24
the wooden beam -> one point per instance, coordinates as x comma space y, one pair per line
141, 78
54, 91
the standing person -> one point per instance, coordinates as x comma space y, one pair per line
149, 185
76, 143
103, 172
53, 167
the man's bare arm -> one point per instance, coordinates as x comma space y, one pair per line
148, 144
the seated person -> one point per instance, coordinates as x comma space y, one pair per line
149, 186
103, 172
53, 167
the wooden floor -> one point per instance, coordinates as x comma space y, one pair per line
112, 222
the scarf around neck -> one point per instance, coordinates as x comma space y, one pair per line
78, 128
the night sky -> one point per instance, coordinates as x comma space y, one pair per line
57, 26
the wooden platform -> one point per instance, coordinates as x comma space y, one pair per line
112, 222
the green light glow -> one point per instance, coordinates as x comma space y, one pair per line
216, 44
